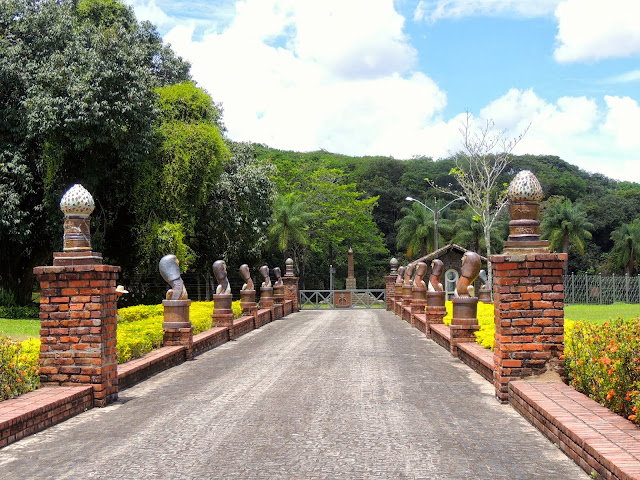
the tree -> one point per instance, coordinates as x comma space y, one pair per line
484, 156
416, 230
626, 246
566, 224
290, 225
468, 231
76, 106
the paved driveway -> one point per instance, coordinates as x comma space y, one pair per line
318, 395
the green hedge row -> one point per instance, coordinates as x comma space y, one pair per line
29, 311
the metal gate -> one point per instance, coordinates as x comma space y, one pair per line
321, 299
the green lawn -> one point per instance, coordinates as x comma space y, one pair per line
20, 328
601, 313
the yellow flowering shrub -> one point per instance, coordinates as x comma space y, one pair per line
140, 327
19, 371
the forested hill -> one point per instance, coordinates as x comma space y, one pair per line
608, 203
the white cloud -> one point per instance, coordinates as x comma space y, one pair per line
294, 83
433, 10
593, 29
299, 76
627, 77
623, 118
576, 129
149, 10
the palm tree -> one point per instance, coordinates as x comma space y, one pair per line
289, 225
566, 224
415, 230
469, 232
626, 245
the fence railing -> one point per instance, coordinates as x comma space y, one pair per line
601, 289
316, 299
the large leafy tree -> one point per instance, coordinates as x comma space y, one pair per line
76, 105
564, 224
626, 246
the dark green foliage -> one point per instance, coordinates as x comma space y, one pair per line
27, 311
76, 105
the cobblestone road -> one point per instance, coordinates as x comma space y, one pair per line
318, 395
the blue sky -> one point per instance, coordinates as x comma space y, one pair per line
384, 77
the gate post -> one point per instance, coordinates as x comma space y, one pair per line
389, 284
290, 285
528, 294
78, 311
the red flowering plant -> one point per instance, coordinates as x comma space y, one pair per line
603, 362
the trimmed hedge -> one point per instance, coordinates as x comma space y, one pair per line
140, 327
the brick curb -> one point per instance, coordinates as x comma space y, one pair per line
590, 434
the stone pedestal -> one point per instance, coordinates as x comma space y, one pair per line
278, 294
397, 299
248, 303
222, 312
418, 302
528, 294
407, 297
176, 326
291, 291
464, 322
436, 309
78, 319
266, 298
484, 294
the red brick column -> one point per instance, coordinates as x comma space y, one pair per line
291, 290
436, 309
78, 318
389, 290
529, 316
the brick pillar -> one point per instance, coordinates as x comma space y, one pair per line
291, 290
436, 309
418, 302
222, 312
78, 318
389, 290
529, 316
464, 322
177, 327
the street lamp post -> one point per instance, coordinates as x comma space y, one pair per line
436, 213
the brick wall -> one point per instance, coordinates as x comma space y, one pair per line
78, 316
529, 316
